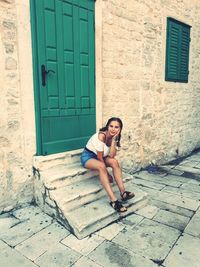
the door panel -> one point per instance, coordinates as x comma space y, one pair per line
65, 42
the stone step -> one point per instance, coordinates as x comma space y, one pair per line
78, 194
92, 217
63, 175
46, 162
74, 196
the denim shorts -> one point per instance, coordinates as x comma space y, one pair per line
86, 155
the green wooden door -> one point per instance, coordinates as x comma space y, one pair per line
64, 44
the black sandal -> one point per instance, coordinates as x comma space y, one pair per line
117, 205
127, 195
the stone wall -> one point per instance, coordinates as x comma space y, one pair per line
161, 119
17, 133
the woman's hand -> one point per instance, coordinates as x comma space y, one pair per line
100, 156
113, 150
115, 137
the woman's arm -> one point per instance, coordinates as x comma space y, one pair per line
113, 150
100, 156
100, 153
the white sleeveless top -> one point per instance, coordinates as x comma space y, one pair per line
94, 145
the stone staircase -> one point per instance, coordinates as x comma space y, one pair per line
74, 196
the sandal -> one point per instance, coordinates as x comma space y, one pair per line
117, 205
127, 195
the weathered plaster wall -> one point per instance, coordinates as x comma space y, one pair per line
17, 133
161, 119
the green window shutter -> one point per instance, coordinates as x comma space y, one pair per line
184, 54
177, 51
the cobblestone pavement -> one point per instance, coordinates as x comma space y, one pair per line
164, 233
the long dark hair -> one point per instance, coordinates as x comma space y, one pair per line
105, 128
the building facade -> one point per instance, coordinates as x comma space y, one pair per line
67, 66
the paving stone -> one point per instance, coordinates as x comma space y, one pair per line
193, 187
131, 220
193, 182
172, 198
194, 158
189, 163
185, 253
153, 239
193, 227
179, 179
176, 172
177, 200
109, 254
147, 183
150, 191
110, 231
173, 208
6, 223
6, 215
148, 212
187, 169
25, 229
42, 241
166, 180
148, 176
158, 174
85, 262
170, 170
197, 166
183, 191
27, 212
83, 246
9, 257
172, 219
58, 256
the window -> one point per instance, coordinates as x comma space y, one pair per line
177, 51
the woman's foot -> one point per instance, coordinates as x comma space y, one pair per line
117, 205
126, 195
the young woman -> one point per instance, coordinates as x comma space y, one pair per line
100, 153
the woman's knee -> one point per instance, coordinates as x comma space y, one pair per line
102, 167
114, 163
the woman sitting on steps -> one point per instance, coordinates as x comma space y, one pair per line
100, 153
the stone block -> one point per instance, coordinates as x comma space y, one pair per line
193, 228
184, 253
154, 238
25, 229
84, 246
110, 231
10, 257
113, 255
171, 219
58, 256
148, 212
42, 241
84, 261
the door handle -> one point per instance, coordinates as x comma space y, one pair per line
44, 72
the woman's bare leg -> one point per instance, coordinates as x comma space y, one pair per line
94, 164
113, 163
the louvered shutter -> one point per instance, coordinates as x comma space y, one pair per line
177, 51
184, 54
